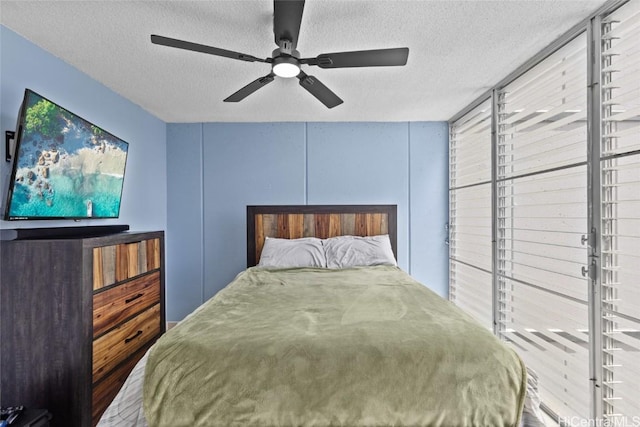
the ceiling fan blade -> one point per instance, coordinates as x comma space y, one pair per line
250, 88
361, 58
287, 15
181, 44
320, 91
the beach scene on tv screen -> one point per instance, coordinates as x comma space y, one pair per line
66, 166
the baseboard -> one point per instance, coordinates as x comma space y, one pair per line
171, 325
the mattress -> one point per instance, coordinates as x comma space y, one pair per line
353, 347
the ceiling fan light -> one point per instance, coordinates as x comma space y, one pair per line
286, 67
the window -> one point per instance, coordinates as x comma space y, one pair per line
557, 189
470, 280
541, 218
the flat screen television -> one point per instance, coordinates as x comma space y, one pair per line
64, 166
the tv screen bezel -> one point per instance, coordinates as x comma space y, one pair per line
14, 167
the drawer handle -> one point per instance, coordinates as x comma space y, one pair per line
128, 340
133, 298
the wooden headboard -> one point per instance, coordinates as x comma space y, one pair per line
322, 221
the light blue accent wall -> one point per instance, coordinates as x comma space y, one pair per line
245, 164
362, 163
299, 163
25, 65
184, 235
429, 196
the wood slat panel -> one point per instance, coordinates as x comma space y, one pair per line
111, 349
322, 225
334, 225
361, 224
132, 259
152, 248
270, 224
157, 253
143, 265
283, 226
384, 225
309, 225
122, 263
98, 269
374, 222
104, 263
296, 226
347, 224
109, 264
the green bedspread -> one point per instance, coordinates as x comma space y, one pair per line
316, 347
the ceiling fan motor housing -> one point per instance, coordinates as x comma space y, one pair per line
285, 64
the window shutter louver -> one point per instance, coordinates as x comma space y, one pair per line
620, 198
470, 279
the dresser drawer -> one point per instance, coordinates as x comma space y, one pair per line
117, 304
112, 348
105, 391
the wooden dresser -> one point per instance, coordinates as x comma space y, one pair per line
77, 314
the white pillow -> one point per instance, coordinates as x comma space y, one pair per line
304, 252
351, 251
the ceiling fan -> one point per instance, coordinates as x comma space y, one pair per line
285, 60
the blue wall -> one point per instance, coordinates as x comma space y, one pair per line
25, 65
216, 169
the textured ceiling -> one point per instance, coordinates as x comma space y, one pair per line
458, 49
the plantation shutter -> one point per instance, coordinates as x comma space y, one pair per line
470, 280
541, 219
620, 210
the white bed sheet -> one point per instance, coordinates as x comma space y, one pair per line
126, 409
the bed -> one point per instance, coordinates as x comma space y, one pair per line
303, 344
